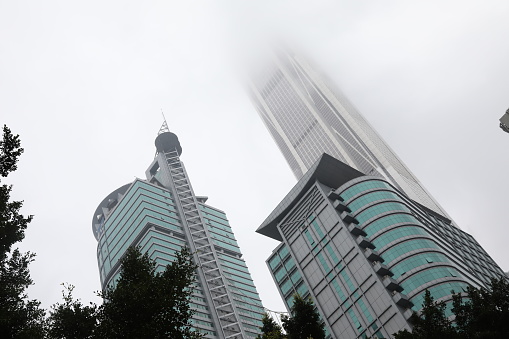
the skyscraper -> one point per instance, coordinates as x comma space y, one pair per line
161, 215
358, 232
307, 117
366, 253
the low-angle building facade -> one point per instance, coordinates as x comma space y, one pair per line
161, 215
366, 253
307, 116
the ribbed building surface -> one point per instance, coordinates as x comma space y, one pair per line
366, 253
161, 215
307, 117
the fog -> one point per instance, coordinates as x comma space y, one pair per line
84, 84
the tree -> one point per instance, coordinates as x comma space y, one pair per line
270, 329
484, 313
431, 323
149, 304
304, 321
19, 317
72, 319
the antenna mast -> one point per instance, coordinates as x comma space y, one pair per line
164, 127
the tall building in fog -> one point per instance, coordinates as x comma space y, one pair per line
307, 117
161, 215
358, 233
366, 253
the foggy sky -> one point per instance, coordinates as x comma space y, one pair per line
84, 84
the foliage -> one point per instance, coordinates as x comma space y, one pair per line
72, 319
430, 323
149, 304
19, 317
304, 321
485, 312
270, 329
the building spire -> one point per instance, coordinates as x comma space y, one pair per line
164, 127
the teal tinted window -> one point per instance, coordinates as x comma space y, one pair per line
243, 286
363, 186
355, 321
333, 255
274, 261
289, 264
397, 233
348, 281
338, 289
302, 289
231, 261
405, 247
168, 247
244, 292
317, 228
215, 218
438, 292
371, 197
389, 220
280, 274
224, 245
247, 281
378, 209
323, 262
310, 239
289, 301
283, 252
242, 271
365, 310
416, 261
421, 278
295, 277
129, 233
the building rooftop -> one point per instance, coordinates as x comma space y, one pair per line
327, 170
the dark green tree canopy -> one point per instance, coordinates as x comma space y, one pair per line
485, 312
149, 304
481, 314
304, 321
430, 323
12, 223
72, 319
19, 317
270, 329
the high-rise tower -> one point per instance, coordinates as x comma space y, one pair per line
161, 215
366, 253
307, 117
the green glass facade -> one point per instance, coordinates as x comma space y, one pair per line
366, 253
150, 214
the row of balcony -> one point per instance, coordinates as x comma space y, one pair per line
369, 251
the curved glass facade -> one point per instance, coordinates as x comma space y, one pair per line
366, 253
161, 215
408, 249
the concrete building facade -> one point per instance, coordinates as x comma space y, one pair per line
161, 215
366, 253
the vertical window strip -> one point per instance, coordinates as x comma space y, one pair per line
332, 254
338, 289
323, 262
355, 320
309, 237
348, 281
365, 310
317, 228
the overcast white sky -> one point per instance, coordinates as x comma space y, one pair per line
84, 83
